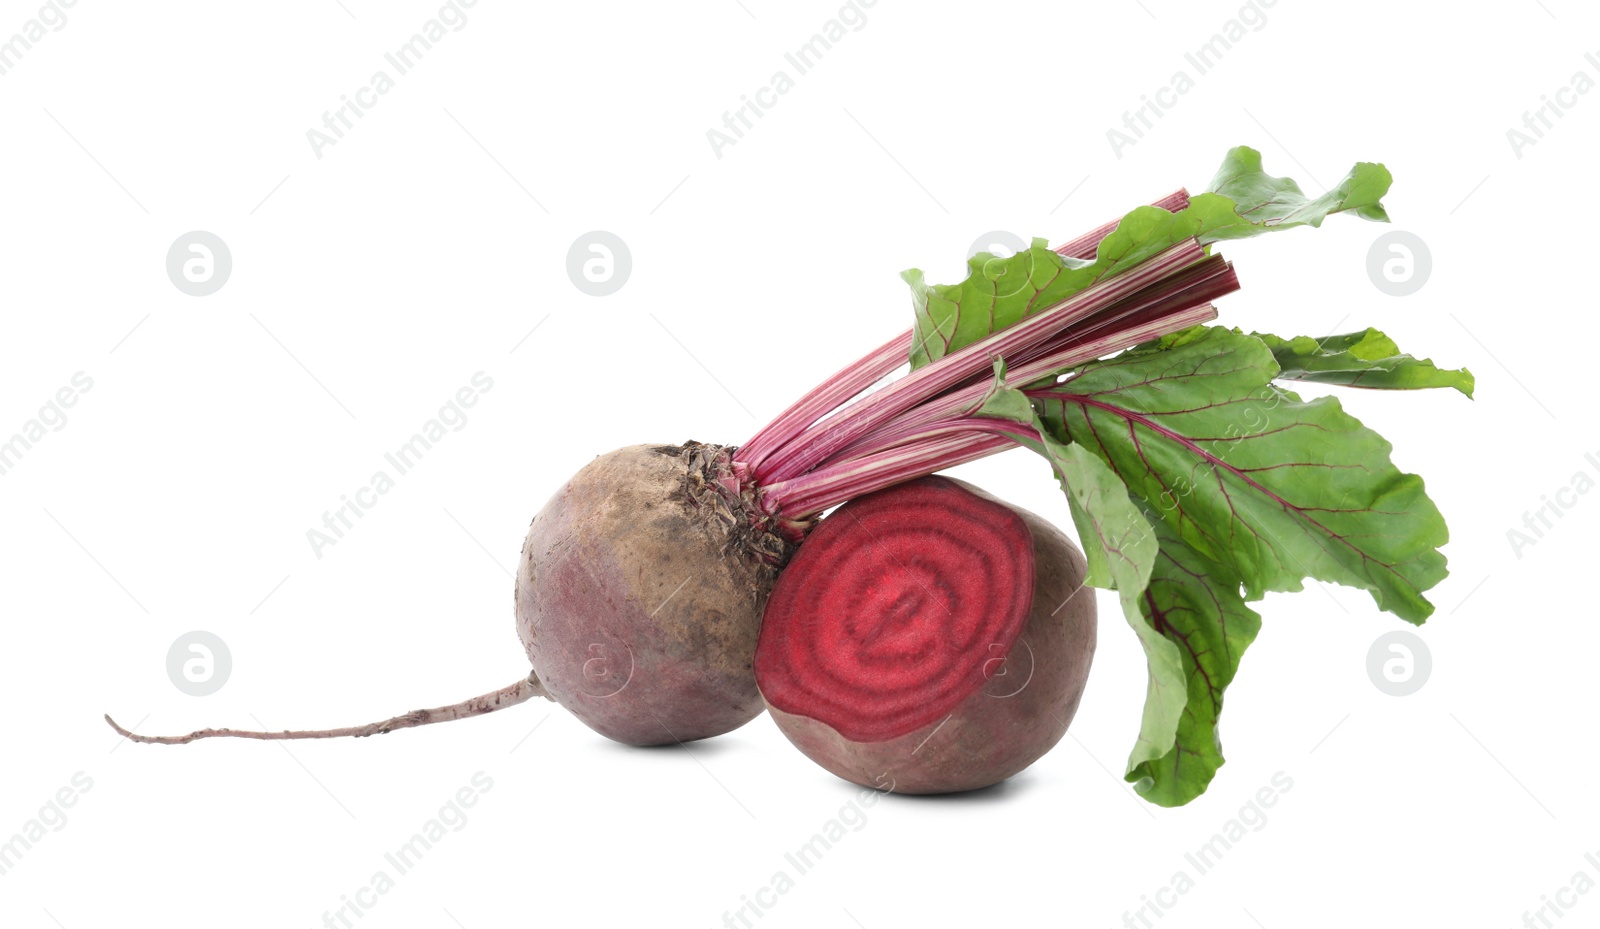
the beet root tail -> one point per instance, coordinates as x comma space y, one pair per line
520, 692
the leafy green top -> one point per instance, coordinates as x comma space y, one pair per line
1196, 482
1360, 359
1243, 201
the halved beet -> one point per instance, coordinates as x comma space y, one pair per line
930, 637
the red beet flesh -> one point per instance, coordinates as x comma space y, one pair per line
928, 636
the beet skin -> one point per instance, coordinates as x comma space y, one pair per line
639, 596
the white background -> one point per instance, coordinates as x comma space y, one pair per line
371, 283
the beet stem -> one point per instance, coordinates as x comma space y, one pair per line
919, 455
520, 692
850, 382
818, 444
824, 399
938, 434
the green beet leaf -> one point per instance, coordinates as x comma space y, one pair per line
1185, 608
1360, 359
1120, 547
1268, 203
1275, 488
1244, 201
1196, 482
1193, 602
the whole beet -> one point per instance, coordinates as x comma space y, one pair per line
639, 595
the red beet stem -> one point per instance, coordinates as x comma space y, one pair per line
1178, 303
942, 437
929, 448
1084, 246
818, 443
847, 437
822, 400
851, 381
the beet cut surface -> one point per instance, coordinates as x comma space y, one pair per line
928, 638
885, 619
